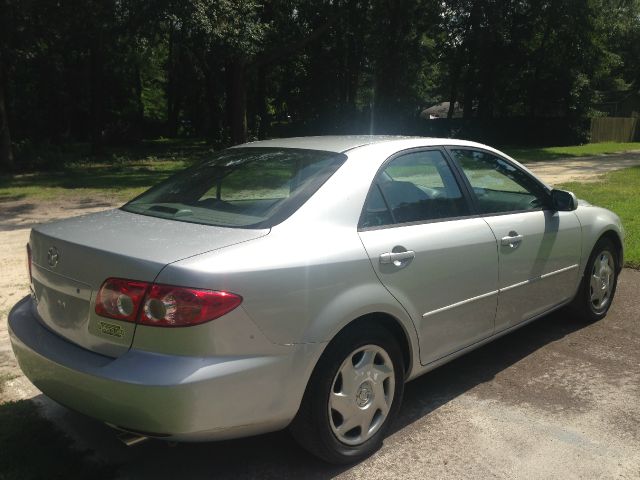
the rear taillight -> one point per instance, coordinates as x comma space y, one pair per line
29, 263
162, 305
120, 299
167, 306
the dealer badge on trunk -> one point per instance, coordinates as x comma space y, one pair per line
111, 329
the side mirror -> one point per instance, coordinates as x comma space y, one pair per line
563, 201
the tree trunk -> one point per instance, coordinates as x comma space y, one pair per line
173, 103
343, 73
467, 106
214, 79
261, 104
237, 101
97, 100
454, 78
140, 104
539, 58
6, 153
386, 71
353, 59
472, 47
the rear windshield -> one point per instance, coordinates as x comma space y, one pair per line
240, 187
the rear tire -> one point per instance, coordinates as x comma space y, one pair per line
352, 397
599, 281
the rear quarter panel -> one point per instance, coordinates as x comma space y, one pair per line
301, 289
311, 275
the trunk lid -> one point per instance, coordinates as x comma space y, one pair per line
73, 257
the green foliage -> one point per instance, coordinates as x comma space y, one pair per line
113, 73
535, 58
617, 191
118, 174
153, 80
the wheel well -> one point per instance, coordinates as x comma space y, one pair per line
390, 323
613, 236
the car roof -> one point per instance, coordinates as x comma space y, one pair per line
343, 143
327, 143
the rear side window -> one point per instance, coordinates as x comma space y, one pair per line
414, 187
240, 187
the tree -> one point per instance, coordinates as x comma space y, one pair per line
6, 152
113, 72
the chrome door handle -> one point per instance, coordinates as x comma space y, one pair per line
513, 240
397, 258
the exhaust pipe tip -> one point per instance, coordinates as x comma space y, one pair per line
131, 439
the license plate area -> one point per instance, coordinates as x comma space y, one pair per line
62, 303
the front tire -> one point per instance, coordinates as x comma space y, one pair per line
599, 282
352, 397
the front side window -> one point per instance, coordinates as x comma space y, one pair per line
240, 187
414, 187
497, 185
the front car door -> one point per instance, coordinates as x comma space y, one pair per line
539, 248
436, 259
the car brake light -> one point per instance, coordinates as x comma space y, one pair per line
162, 305
29, 263
167, 306
120, 299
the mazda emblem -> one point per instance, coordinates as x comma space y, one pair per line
53, 257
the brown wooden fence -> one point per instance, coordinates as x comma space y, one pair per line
614, 129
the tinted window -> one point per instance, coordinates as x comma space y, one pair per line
418, 186
499, 186
242, 187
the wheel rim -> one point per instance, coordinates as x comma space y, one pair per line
361, 394
601, 284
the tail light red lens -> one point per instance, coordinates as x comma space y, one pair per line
120, 299
162, 305
167, 306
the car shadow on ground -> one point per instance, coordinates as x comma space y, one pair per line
277, 455
9, 213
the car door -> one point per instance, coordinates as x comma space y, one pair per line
428, 250
539, 248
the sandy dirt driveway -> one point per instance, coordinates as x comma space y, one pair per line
556, 399
582, 169
16, 220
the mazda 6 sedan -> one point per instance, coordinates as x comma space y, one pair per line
300, 283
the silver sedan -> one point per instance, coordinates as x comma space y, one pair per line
301, 282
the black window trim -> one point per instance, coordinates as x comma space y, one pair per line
468, 200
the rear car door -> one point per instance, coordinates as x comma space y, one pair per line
539, 248
428, 250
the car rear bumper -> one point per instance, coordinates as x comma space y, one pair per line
171, 396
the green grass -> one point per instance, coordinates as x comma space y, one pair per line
121, 182
618, 191
525, 154
120, 174
33, 448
